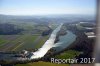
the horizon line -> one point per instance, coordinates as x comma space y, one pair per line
43, 14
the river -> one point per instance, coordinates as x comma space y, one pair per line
62, 43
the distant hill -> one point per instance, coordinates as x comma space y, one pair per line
48, 18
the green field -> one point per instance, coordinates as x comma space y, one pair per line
2, 41
27, 42
42, 64
68, 54
21, 42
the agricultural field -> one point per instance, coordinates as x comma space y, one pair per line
41, 63
68, 54
21, 42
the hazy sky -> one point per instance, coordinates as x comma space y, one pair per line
45, 7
